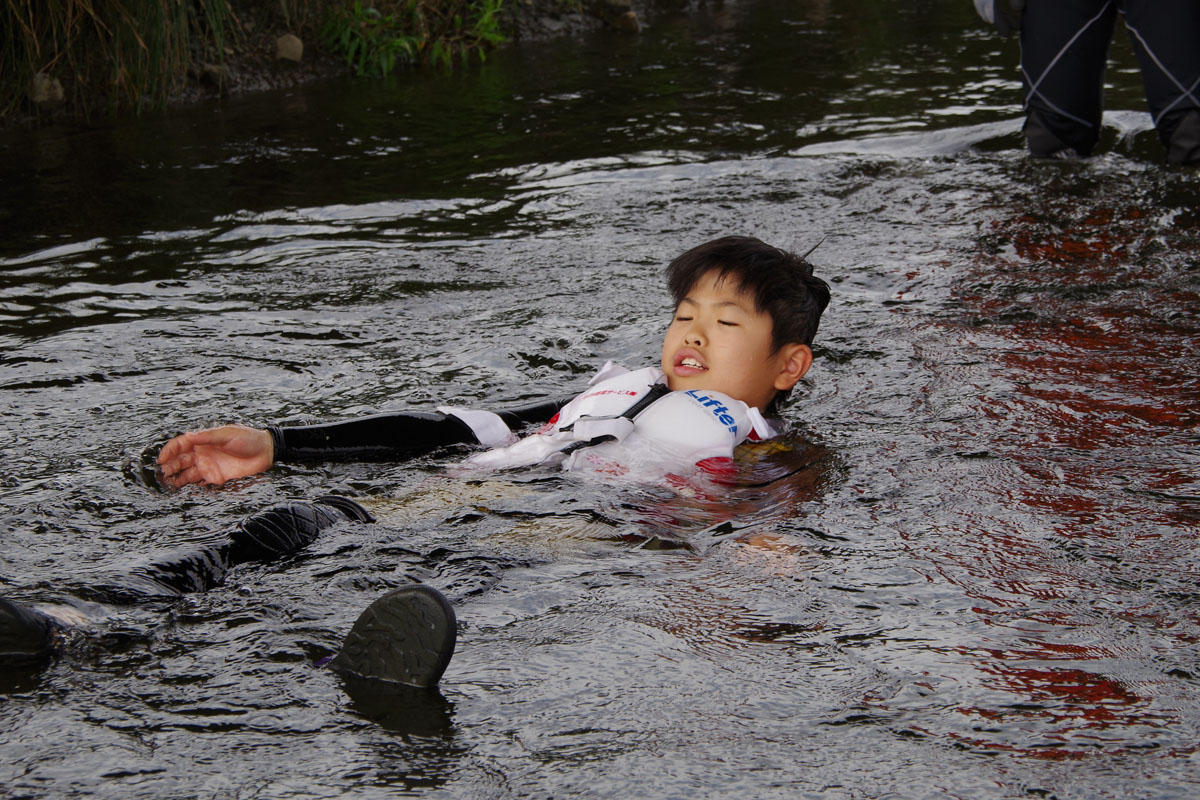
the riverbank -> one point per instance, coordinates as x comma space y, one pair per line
266, 49
257, 61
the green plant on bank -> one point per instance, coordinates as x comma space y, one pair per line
119, 53
133, 54
375, 38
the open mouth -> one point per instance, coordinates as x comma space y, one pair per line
687, 364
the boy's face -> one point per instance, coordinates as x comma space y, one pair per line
720, 342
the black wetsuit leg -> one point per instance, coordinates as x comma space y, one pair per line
1166, 38
1064, 47
27, 634
267, 535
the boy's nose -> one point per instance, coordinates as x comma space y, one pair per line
693, 335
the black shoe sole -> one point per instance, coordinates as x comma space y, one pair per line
406, 636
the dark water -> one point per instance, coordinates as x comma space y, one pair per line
971, 570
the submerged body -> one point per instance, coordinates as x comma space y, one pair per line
745, 315
674, 432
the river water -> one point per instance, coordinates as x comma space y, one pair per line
968, 570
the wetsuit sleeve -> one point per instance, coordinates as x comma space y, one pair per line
389, 437
380, 437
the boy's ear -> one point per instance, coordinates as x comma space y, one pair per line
797, 358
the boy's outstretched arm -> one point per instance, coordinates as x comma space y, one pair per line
216, 455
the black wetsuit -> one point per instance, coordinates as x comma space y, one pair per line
1064, 48
266, 535
400, 435
287, 527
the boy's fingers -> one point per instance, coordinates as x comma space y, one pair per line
184, 460
173, 463
180, 445
169, 450
192, 474
189, 467
177, 479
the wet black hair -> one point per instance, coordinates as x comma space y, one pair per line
782, 284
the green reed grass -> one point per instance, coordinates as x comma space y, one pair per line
114, 53
376, 36
132, 54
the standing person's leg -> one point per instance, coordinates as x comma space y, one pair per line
1166, 37
1064, 46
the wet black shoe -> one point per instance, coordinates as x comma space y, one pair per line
288, 527
25, 634
406, 637
352, 510
1044, 143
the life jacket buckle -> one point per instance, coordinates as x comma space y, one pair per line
586, 428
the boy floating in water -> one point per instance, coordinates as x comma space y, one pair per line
745, 317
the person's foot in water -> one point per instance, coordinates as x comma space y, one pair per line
26, 634
406, 637
288, 527
29, 634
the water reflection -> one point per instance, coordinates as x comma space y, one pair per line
1073, 307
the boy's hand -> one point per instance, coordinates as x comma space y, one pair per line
216, 455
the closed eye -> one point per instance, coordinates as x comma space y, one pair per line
727, 322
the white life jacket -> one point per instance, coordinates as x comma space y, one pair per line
672, 434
